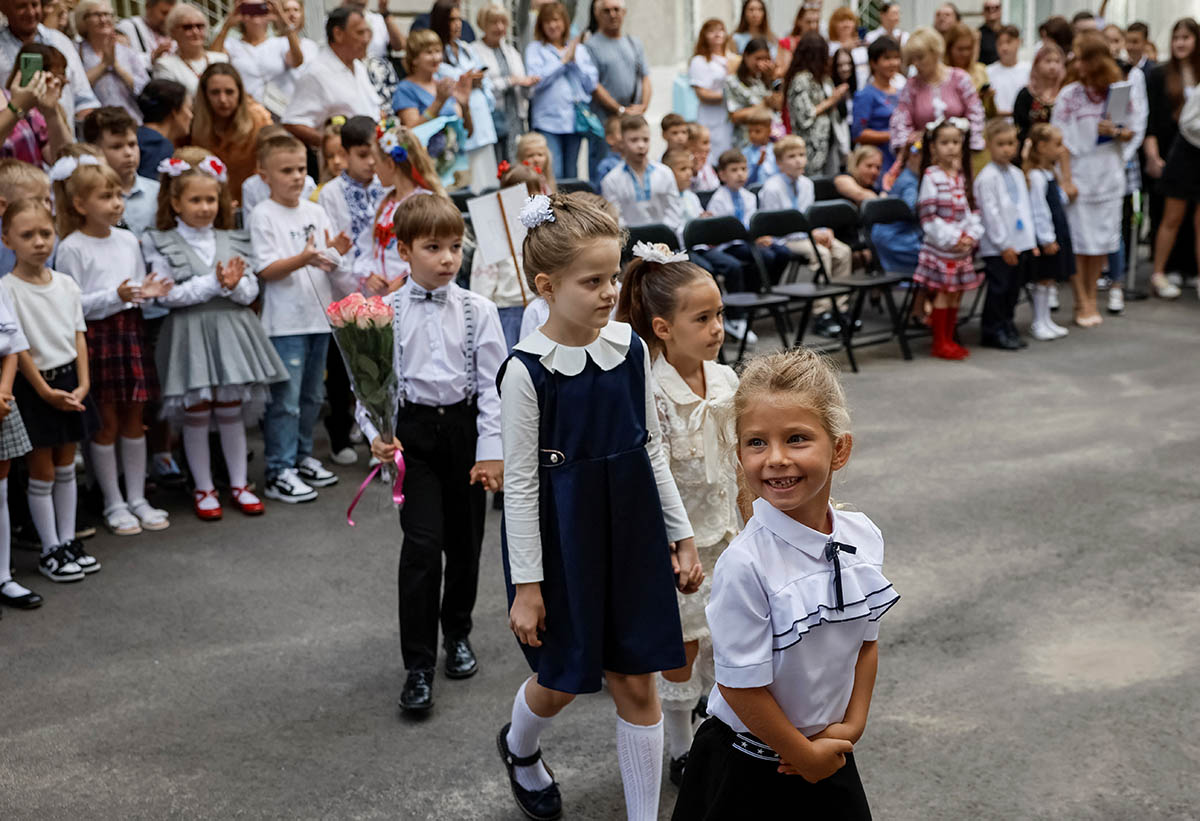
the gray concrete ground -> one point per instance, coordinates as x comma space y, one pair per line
1041, 515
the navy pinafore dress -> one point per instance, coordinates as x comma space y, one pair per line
608, 586
1061, 266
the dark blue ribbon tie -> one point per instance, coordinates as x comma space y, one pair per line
832, 549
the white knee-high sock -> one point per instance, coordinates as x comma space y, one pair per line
678, 699
65, 499
233, 443
523, 738
195, 447
133, 465
639, 750
7, 584
41, 510
104, 464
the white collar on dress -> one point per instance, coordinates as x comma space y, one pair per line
795, 534
607, 350
193, 234
678, 390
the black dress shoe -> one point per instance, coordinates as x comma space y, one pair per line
27, 602
827, 325
540, 805
460, 659
1002, 341
417, 696
675, 771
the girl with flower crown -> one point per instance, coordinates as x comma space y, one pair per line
213, 356
106, 262
595, 534
404, 169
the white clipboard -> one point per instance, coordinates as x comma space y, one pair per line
1116, 108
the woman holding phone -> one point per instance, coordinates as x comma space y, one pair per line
38, 129
459, 61
263, 60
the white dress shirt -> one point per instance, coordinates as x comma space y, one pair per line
99, 266
653, 198
259, 64
782, 193
1043, 220
774, 617
296, 304
1005, 209
430, 345
521, 421
199, 288
723, 204
186, 72
330, 88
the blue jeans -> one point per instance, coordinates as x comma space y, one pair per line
295, 404
510, 323
564, 151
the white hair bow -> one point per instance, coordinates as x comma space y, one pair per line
536, 211
960, 123
659, 253
214, 168
66, 166
173, 167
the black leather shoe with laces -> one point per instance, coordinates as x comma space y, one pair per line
417, 695
540, 805
460, 659
675, 770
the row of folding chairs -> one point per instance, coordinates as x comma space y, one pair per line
565, 186
794, 293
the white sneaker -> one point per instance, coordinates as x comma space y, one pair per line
751, 338
1116, 300
345, 456
735, 328
1058, 330
1041, 332
356, 435
1175, 278
288, 487
1163, 287
314, 474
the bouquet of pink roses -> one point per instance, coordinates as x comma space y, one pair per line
362, 328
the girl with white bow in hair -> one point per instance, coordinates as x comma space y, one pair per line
676, 307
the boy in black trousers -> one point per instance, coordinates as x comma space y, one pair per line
449, 347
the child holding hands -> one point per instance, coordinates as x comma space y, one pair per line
1057, 261
590, 513
946, 264
796, 601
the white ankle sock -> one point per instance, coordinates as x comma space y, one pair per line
195, 447
233, 443
41, 510
65, 499
133, 465
639, 750
523, 736
104, 465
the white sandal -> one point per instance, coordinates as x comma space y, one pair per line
151, 517
121, 521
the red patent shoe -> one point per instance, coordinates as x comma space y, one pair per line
246, 501
208, 513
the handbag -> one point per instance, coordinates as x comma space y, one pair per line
587, 123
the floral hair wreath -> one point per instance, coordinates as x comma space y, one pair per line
388, 137
958, 122
66, 166
659, 252
536, 211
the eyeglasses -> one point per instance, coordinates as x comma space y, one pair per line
618, 10
100, 15
991, 8
192, 26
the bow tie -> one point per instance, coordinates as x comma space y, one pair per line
832, 549
421, 295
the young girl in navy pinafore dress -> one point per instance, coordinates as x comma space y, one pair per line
594, 530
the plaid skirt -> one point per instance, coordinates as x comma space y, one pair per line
14, 441
942, 273
119, 366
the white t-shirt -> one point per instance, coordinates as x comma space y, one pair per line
50, 315
255, 190
330, 88
259, 64
99, 266
187, 73
1007, 82
381, 41
12, 338
296, 304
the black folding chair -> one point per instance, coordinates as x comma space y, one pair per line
754, 189
654, 233
824, 189
719, 230
460, 198
839, 216
781, 224
704, 197
572, 186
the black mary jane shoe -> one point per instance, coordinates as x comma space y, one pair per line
675, 769
27, 602
460, 659
1002, 342
540, 805
417, 695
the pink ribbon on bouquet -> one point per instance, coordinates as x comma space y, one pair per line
397, 486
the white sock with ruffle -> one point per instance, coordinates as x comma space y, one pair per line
678, 700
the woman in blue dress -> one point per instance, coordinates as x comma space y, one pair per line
595, 536
899, 243
874, 102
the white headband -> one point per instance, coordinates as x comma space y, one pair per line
66, 166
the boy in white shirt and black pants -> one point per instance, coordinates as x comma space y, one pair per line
303, 268
643, 191
448, 350
1002, 197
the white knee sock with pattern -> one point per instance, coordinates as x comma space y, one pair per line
195, 447
639, 751
523, 740
66, 496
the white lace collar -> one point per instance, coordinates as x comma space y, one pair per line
607, 351
679, 391
789, 530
